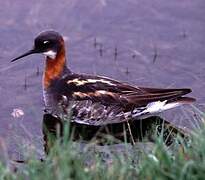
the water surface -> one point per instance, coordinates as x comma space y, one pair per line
158, 43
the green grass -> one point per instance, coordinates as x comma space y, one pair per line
183, 160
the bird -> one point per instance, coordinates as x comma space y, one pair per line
95, 100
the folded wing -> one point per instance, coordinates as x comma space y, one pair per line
111, 92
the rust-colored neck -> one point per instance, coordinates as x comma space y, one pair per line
54, 67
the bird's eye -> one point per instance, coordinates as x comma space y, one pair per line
45, 42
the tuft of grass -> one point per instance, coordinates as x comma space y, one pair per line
70, 160
185, 161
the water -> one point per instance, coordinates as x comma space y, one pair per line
153, 43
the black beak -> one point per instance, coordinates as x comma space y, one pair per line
32, 51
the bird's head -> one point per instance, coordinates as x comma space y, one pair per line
48, 43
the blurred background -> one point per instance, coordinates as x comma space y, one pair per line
153, 43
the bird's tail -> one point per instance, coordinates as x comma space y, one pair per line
177, 102
158, 106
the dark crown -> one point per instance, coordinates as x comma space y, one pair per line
48, 40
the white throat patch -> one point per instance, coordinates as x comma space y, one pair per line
51, 54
